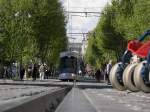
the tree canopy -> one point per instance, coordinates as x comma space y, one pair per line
31, 29
122, 20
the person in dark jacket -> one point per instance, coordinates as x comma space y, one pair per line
97, 75
35, 72
22, 71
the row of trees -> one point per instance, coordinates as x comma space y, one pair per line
31, 30
121, 21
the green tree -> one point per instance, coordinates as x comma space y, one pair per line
122, 20
48, 25
32, 29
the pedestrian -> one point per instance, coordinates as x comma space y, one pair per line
9, 72
35, 72
22, 72
1, 69
30, 70
108, 68
5, 72
42, 71
80, 72
103, 72
97, 75
46, 71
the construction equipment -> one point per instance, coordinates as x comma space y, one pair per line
132, 72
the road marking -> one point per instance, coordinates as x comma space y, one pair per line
88, 98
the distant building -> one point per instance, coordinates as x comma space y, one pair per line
80, 47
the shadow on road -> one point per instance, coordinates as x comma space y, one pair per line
95, 86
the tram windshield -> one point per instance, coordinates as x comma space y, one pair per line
68, 64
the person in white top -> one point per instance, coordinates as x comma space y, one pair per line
108, 68
42, 71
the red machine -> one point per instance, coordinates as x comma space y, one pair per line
141, 49
133, 75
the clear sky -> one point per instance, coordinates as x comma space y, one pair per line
79, 23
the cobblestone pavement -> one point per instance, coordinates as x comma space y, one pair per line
111, 100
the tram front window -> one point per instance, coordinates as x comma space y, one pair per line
68, 65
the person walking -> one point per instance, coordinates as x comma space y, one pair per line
22, 72
35, 72
42, 72
30, 70
97, 75
5, 72
108, 68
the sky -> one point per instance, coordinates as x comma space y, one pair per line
82, 23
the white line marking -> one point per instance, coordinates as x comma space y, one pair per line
88, 98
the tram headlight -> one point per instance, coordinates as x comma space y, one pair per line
72, 75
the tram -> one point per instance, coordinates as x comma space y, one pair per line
68, 66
